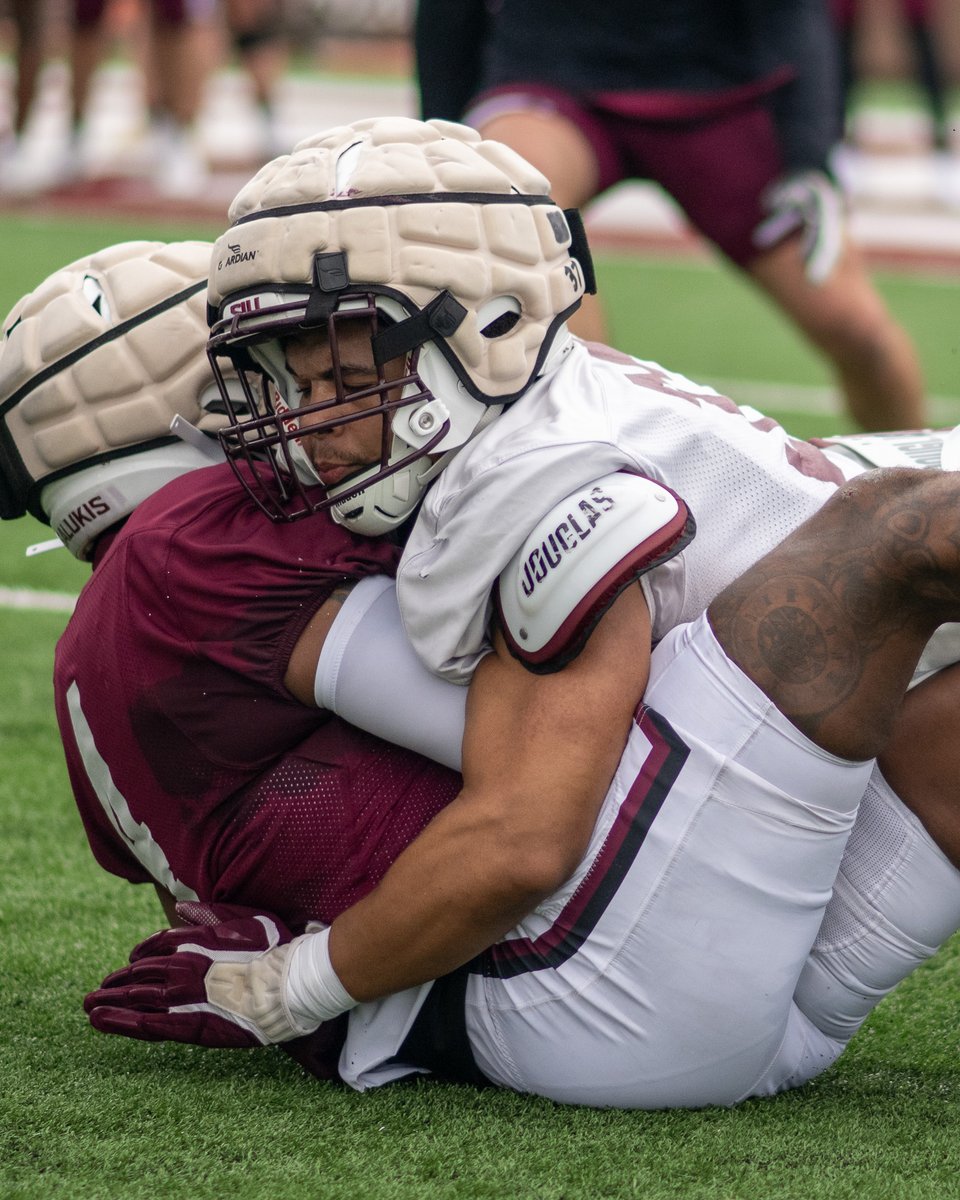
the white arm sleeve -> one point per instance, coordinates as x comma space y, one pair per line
369, 675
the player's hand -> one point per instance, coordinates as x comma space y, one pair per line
809, 201
218, 982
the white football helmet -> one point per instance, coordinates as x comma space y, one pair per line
449, 250
96, 366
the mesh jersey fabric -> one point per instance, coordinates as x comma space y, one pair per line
187, 756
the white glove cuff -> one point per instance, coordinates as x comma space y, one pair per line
312, 991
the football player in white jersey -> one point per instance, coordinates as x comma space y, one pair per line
668, 794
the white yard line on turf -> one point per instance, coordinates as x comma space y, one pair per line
810, 399
32, 599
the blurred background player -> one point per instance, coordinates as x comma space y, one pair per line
918, 20
173, 44
258, 37
677, 94
176, 56
27, 20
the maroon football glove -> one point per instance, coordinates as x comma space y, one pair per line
217, 982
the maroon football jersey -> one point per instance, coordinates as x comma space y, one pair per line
191, 763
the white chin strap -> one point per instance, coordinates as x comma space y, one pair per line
387, 503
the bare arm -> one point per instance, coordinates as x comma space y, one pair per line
539, 754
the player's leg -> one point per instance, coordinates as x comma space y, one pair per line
718, 170
181, 45
664, 974
921, 23
896, 899
87, 48
560, 139
845, 317
28, 23
922, 759
257, 32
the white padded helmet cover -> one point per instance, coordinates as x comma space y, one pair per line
124, 391
483, 251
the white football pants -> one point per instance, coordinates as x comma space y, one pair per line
663, 974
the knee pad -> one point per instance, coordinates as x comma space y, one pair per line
896, 899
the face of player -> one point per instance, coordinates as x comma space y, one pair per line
339, 452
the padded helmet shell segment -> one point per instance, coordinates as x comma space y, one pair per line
417, 208
94, 365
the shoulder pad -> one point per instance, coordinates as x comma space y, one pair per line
914, 448
579, 558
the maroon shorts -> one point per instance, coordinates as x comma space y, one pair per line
715, 157
917, 12
87, 13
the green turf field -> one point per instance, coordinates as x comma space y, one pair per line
84, 1116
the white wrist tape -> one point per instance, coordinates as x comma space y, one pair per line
369, 675
312, 990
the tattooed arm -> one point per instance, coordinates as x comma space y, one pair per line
831, 623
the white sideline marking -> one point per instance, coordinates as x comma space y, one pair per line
30, 598
778, 400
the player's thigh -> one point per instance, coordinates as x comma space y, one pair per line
844, 315
552, 133
696, 1005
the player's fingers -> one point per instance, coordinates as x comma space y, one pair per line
127, 1024
155, 984
146, 998
193, 1028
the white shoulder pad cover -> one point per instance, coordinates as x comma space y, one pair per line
579, 558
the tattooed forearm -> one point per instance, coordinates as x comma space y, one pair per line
831, 622
794, 639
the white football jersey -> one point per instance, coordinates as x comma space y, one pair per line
745, 480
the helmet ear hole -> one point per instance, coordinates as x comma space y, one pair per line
500, 325
498, 317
